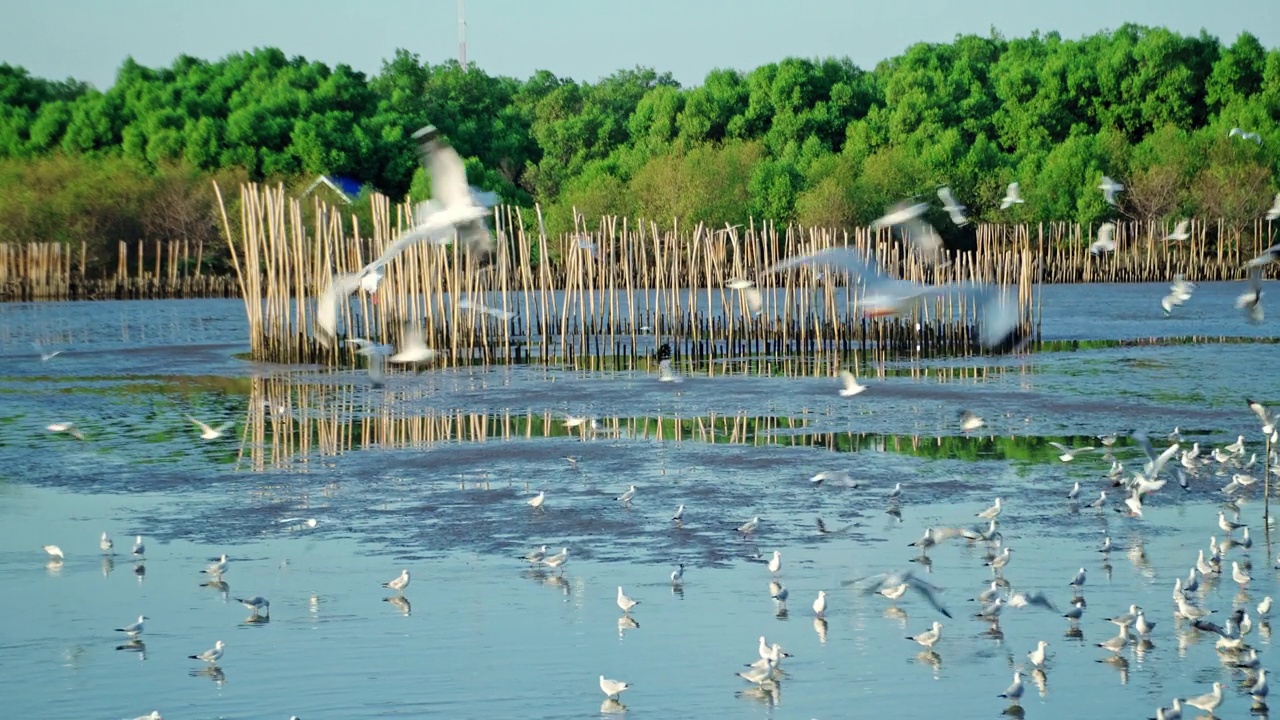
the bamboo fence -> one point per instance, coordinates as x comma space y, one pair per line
617, 292
56, 271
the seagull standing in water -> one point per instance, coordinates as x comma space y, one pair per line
612, 688
399, 583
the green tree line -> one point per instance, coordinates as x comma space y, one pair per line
815, 142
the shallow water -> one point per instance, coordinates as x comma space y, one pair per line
431, 473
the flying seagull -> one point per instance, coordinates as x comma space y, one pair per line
1109, 189
1012, 196
953, 208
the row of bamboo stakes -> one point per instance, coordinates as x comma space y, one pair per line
57, 271
290, 420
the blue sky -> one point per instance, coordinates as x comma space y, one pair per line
581, 39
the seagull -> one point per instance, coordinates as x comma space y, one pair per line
969, 421
1207, 702
138, 548
775, 565
1001, 560
211, 656
749, 526
1100, 502
1237, 132
399, 583
453, 205
1264, 607
134, 629
218, 567
953, 208
105, 544
558, 560
1109, 189
1117, 643
45, 356
535, 556
536, 501
900, 214
841, 477
1078, 581
625, 602
1074, 492
625, 498
1069, 454
1106, 241
1037, 656
68, 428
155, 715
992, 512
1179, 293
759, 675
1181, 231
413, 347
677, 575
1227, 525
896, 492
820, 604
779, 592
1240, 576
1012, 195
54, 552
875, 583
929, 637
1274, 212
1260, 690
210, 433
1266, 257
1251, 299
612, 688
1014, 692
997, 312
1077, 610
850, 386
257, 604
679, 514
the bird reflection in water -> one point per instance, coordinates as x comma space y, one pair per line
213, 672
612, 707
769, 693
401, 603
625, 623
135, 645
108, 564
820, 627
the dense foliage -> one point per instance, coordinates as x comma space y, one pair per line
814, 142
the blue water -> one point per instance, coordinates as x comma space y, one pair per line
431, 474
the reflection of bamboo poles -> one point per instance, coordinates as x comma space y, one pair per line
287, 421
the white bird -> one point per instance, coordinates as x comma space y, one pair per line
1237, 132
896, 492
45, 356
1250, 301
1012, 195
138, 548
398, 583
257, 604
679, 514
1264, 607
1069, 454
775, 565
612, 688
1181, 231
210, 433
413, 347
1077, 582
749, 526
625, 602
68, 428
779, 592
1134, 503
1014, 691
218, 567
535, 556
820, 604
1141, 626
677, 575
105, 543
874, 584
1207, 702
453, 205
992, 512
1074, 492
1109, 189
1038, 656
1179, 292
759, 675
666, 373
1236, 447
134, 629
1101, 501
953, 208
929, 637
1000, 561
558, 560
899, 214
1260, 689
970, 421
54, 552
211, 656
849, 384
536, 501
1117, 643
155, 715
996, 310
1106, 241
1239, 575
1227, 525
1077, 610
839, 477
1274, 212
894, 592
625, 497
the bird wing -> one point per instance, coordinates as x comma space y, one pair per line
448, 174
1060, 446
929, 592
1260, 410
1264, 257
339, 287
201, 425
944, 194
